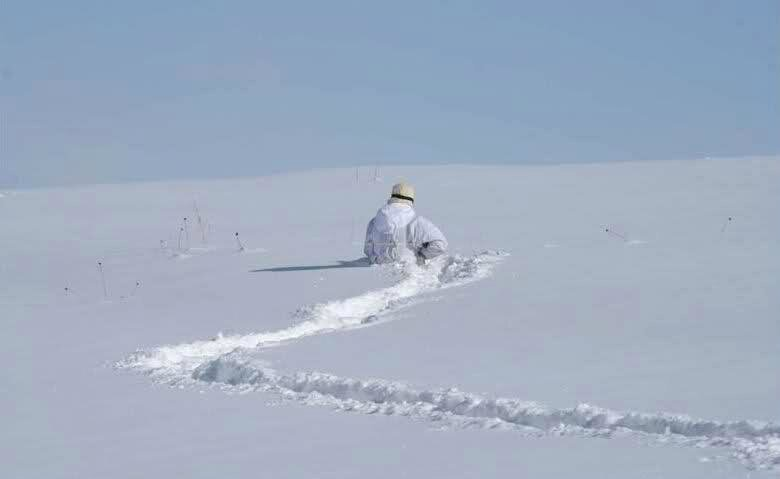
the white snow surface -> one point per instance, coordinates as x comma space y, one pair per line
601, 320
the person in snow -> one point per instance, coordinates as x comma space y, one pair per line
397, 232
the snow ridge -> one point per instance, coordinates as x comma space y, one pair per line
755, 444
358, 311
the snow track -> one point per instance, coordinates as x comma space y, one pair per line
755, 444
225, 361
358, 311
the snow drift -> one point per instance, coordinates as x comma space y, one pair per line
756, 444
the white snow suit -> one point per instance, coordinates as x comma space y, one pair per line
396, 233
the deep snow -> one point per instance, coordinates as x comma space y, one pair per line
580, 353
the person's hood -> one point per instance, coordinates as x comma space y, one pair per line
396, 213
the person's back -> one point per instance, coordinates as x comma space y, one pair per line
397, 232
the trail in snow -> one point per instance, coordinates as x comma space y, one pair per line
755, 444
224, 361
368, 308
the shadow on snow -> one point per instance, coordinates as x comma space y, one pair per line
355, 263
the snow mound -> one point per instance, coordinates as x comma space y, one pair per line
756, 444
358, 311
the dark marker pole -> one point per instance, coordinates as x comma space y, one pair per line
103, 280
240, 245
187, 232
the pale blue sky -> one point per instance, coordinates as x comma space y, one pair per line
95, 91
